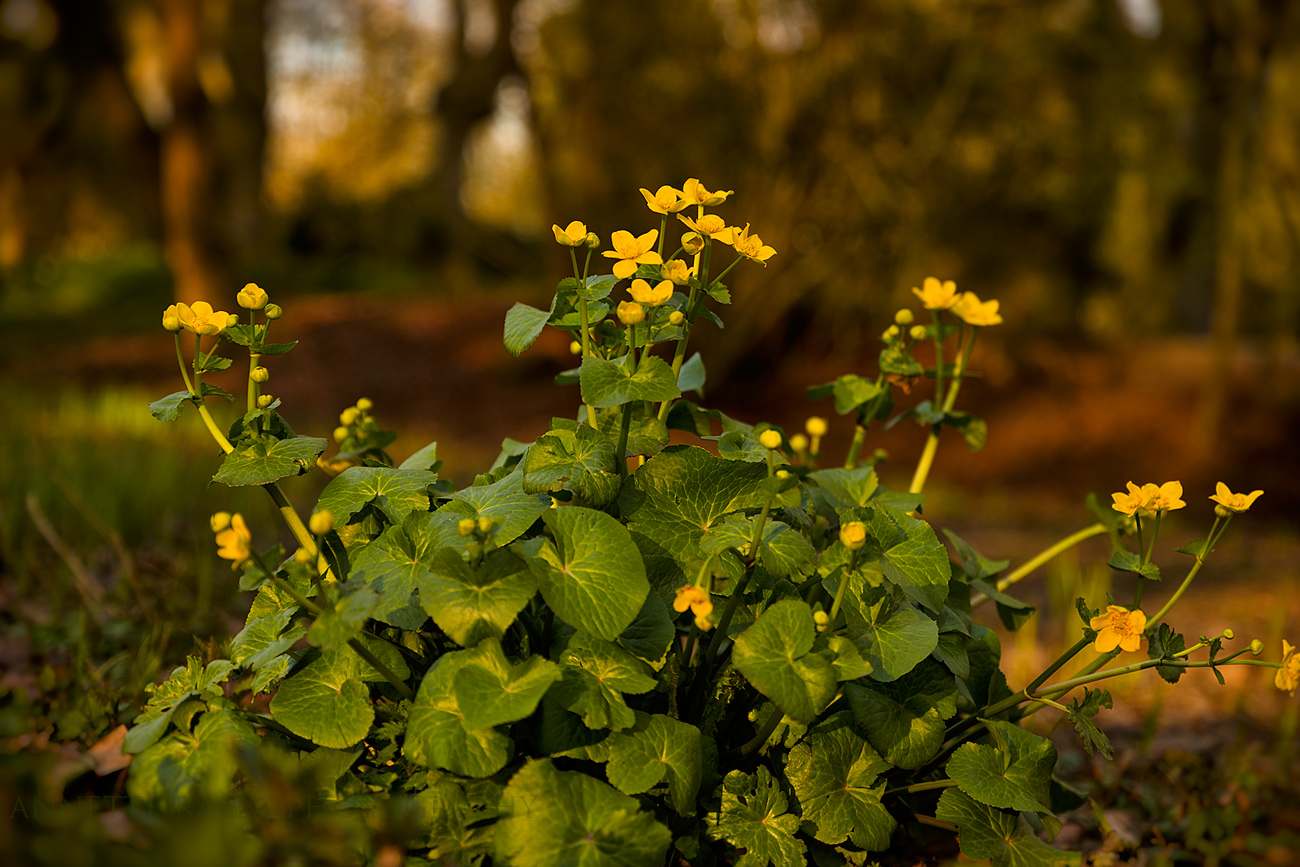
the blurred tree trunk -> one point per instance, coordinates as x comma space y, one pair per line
187, 162
239, 124
466, 100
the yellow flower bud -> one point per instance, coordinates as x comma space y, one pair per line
575, 348
821, 618
676, 317
1229, 634
485, 525
232, 320
321, 522
889, 333
816, 426
799, 443
630, 312
259, 374
692, 242
853, 535
219, 521
593, 240
265, 400
272, 311
466, 526
917, 332
252, 297
171, 319
783, 474
1256, 647
770, 439
349, 415
340, 434
303, 557
703, 623
364, 404
904, 316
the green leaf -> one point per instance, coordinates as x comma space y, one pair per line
852, 391
988, 834
655, 748
753, 817
326, 703
1081, 715
847, 488
396, 493
894, 360
184, 768
553, 818
596, 675
397, 563
892, 639
1012, 611
1014, 775
609, 383
592, 576
580, 461
425, 459
194, 680
904, 719
912, 557
691, 377
169, 408
471, 604
650, 634
1195, 549
974, 430
339, 624
1127, 561
1164, 642
512, 509
675, 498
783, 552
491, 691
436, 734
973, 563
773, 655
835, 776
523, 324
257, 462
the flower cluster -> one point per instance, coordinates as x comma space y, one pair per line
943, 295
1149, 499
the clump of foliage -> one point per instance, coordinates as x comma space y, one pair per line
610, 649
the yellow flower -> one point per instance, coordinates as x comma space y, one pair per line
201, 319
751, 246
694, 193
233, 542
631, 251
630, 312
641, 291
816, 426
1288, 676
252, 297
1164, 498
692, 243
677, 271
694, 598
935, 295
1118, 627
665, 200
853, 535
1130, 503
572, 235
1233, 502
975, 312
770, 439
711, 225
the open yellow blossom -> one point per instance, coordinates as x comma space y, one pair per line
1233, 502
853, 535
677, 271
1118, 627
201, 319
572, 235
1163, 498
234, 541
665, 200
1132, 502
641, 291
694, 193
935, 295
975, 312
751, 246
694, 598
1288, 676
632, 250
711, 225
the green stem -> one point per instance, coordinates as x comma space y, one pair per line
620, 456
938, 358
374, 662
1039, 559
855, 448
764, 733
923, 787
839, 591
582, 313
180, 359
923, 465
1191, 573
253, 387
